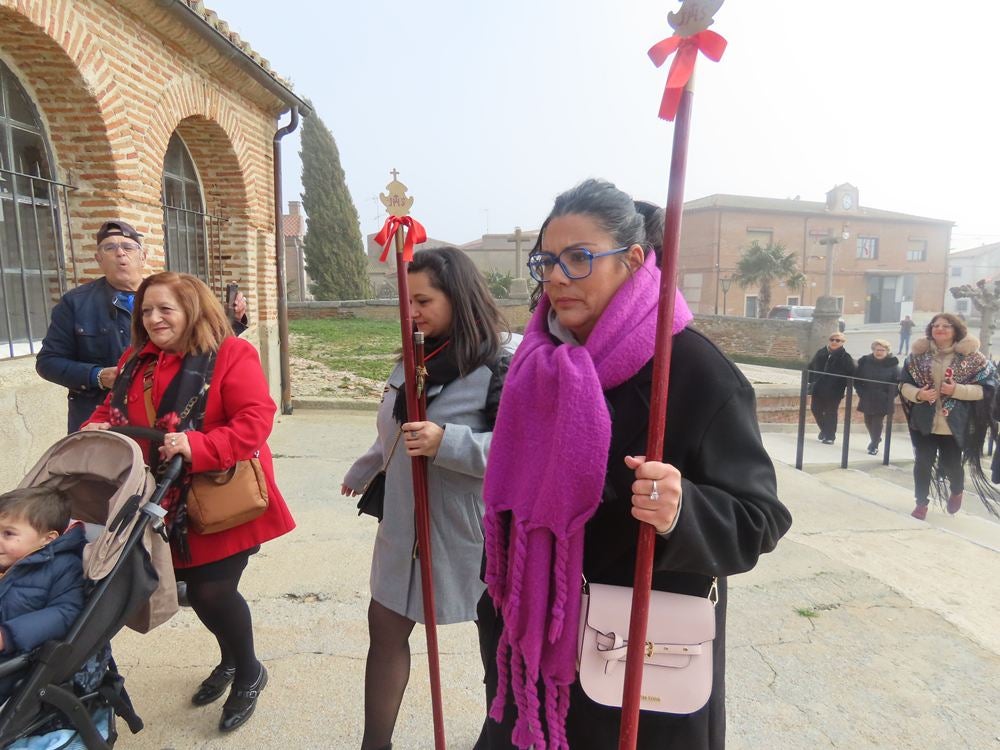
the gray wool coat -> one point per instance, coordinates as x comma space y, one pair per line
455, 490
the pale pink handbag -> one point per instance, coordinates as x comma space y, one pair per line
677, 664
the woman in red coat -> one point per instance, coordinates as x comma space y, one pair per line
185, 373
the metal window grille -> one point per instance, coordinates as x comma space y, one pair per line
33, 234
193, 237
194, 243
32, 271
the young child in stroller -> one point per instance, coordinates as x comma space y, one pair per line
41, 571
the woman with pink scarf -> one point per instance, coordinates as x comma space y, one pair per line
566, 485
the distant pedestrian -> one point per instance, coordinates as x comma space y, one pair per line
905, 328
828, 372
947, 386
877, 401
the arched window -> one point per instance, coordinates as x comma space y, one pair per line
31, 279
184, 213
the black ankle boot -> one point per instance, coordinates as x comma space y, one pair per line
242, 701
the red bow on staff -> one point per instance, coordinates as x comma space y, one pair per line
707, 42
414, 236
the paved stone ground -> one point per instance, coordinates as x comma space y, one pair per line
865, 629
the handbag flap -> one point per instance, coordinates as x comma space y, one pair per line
673, 618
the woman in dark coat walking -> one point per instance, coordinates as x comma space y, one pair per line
567, 485
877, 401
826, 385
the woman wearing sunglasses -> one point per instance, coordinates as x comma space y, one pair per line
567, 484
828, 372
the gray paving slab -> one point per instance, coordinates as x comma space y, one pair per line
865, 629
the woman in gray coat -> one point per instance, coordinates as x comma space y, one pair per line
468, 349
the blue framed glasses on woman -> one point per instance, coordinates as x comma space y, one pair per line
575, 262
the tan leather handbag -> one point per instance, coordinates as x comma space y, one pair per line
677, 660
220, 500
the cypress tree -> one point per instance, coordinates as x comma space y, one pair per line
334, 252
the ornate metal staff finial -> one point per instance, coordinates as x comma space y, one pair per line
694, 16
396, 203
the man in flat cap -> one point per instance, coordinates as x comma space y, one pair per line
91, 324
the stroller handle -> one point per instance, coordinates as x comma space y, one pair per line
139, 433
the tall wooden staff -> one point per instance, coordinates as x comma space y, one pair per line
397, 205
691, 35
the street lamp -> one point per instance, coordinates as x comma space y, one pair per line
726, 282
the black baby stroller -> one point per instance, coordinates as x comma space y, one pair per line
130, 581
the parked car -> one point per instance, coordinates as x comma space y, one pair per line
797, 312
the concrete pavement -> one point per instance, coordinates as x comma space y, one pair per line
865, 629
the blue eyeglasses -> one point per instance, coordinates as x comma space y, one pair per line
575, 262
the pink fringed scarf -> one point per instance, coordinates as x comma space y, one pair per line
547, 466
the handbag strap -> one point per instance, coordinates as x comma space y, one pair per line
712, 596
393, 449
147, 392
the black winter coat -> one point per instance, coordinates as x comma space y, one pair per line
730, 515
836, 363
875, 399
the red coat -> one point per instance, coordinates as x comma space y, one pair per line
239, 416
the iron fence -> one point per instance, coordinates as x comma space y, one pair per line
34, 236
848, 407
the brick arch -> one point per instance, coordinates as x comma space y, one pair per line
62, 68
212, 132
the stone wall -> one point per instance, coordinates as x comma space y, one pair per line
790, 340
34, 417
794, 341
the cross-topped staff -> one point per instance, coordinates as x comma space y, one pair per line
691, 35
398, 204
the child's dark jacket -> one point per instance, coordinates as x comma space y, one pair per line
41, 595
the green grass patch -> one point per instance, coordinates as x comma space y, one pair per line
807, 612
366, 348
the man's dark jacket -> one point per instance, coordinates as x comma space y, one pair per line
89, 329
829, 387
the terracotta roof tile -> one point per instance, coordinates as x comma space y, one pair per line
293, 225
212, 19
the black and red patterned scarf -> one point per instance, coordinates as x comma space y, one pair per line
181, 408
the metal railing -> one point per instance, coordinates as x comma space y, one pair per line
33, 236
193, 244
848, 407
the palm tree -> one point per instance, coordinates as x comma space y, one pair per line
762, 266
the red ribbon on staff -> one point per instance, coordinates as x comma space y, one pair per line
414, 236
707, 42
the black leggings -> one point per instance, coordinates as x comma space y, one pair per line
949, 464
213, 591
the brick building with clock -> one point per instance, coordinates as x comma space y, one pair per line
885, 264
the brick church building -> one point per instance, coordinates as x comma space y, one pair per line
148, 111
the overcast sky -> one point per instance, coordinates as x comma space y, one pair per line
490, 109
